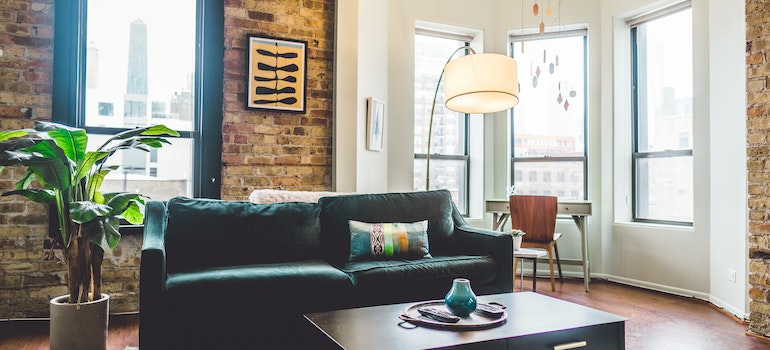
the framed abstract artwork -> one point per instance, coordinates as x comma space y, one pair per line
276, 74
375, 123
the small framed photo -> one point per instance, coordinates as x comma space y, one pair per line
276, 74
375, 123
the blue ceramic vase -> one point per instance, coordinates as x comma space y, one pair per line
460, 300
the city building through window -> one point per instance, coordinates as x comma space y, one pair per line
662, 92
549, 125
449, 159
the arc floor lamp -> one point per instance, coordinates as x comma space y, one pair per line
475, 84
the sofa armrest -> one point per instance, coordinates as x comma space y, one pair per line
152, 276
497, 244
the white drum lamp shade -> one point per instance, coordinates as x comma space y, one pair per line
481, 83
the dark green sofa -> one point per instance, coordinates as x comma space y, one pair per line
226, 274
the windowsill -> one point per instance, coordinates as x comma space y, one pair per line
647, 225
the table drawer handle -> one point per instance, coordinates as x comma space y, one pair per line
575, 345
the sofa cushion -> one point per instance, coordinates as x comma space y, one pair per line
389, 276
213, 233
309, 278
434, 206
377, 241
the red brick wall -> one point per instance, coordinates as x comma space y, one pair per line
261, 149
270, 149
758, 129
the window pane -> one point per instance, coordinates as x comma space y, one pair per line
664, 187
541, 176
448, 174
159, 175
664, 75
431, 53
140, 63
549, 120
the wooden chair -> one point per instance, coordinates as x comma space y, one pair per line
536, 216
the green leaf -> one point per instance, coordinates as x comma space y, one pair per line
104, 232
95, 182
133, 214
26, 180
72, 141
85, 211
120, 201
39, 196
86, 163
10, 153
48, 162
10, 134
154, 130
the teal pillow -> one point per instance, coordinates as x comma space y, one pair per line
383, 241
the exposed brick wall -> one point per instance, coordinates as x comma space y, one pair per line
758, 129
269, 149
261, 149
26, 64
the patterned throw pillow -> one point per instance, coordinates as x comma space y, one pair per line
382, 241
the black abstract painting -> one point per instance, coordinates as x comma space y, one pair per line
276, 77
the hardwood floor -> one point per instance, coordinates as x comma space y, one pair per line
656, 320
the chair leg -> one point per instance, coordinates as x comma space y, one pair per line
515, 264
550, 262
558, 261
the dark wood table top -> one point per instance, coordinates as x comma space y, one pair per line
377, 327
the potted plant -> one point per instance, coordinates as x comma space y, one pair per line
517, 236
70, 178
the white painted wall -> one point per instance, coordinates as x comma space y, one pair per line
727, 138
361, 64
688, 261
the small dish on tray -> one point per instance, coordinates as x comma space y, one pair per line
475, 320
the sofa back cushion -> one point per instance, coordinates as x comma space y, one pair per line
434, 206
213, 233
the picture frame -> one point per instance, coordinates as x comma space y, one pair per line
277, 71
375, 124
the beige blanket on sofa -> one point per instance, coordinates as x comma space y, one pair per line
267, 196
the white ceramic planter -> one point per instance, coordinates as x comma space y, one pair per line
516, 243
82, 327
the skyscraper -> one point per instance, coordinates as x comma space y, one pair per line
135, 99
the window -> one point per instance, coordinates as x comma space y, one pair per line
662, 93
138, 64
549, 125
449, 159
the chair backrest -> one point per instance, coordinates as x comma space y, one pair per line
535, 215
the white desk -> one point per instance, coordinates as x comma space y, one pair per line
579, 210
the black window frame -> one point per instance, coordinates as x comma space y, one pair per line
583, 159
464, 195
69, 87
639, 118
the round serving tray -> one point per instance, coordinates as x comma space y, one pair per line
473, 321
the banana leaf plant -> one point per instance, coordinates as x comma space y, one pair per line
70, 178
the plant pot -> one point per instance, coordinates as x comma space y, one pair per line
82, 327
517, 242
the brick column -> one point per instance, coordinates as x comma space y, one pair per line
265, 149
758, 152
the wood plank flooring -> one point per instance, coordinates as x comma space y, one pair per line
657, 320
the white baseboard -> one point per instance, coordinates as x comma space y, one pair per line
737, 312
731, 309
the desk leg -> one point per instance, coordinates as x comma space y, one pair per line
499, 220
580, 221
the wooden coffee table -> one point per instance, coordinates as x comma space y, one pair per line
535, 321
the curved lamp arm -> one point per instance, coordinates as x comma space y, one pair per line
433, 109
